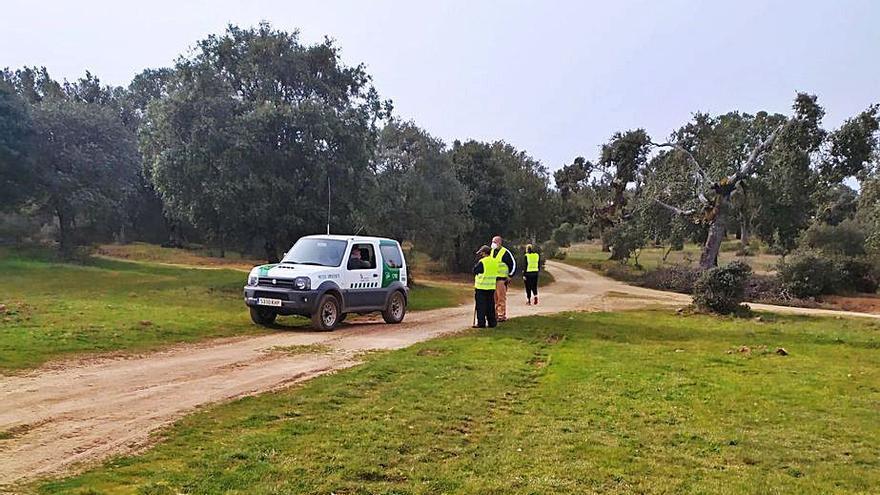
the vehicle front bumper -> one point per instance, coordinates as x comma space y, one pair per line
293, 302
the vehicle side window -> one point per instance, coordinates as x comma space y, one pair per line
362, 257
392, 256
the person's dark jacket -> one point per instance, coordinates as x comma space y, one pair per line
508, 260
478, 268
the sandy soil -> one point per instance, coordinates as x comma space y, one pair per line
67, 415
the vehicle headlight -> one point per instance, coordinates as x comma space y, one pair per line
302, 283
253, 280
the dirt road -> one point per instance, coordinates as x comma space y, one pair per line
67, 415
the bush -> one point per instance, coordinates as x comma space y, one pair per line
814, 273
846, 238
722, 289
550, 250
675, 278
625, 239
807, 274
855, 273
562, 235
767, 289
580, 233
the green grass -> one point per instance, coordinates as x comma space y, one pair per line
55, 309
59, 309
437, 295
198, 257
591, 256
640, 402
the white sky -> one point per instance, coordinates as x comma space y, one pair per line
554, 78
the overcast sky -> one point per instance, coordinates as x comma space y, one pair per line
553, 78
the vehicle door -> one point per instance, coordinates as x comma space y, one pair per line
362, 276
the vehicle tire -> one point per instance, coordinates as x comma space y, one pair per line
263, 316
327, 314
396, 308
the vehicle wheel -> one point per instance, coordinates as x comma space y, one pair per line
263, 316
396, 309
327, 315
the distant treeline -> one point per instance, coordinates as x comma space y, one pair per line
234, 146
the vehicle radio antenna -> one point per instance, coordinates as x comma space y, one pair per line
328, 204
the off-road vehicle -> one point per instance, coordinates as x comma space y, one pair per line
326, 277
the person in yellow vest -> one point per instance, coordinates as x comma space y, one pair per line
484, 289
530, 275
505, 268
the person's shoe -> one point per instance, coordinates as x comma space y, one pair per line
528, 302
478, 326
536, 300
501, 320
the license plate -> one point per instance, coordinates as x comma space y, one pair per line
262, 301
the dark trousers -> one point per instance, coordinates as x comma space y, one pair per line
531, 280
485, 302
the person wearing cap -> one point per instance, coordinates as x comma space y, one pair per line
530, 275
506, 268
484, 289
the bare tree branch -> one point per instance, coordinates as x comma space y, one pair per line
677, 211
690, 156
700, 175
748, 167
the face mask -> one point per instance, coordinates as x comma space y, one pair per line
494, 245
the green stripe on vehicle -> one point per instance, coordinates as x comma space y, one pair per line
264, 269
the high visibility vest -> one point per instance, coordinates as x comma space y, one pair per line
502, 269
486, 280
532, 262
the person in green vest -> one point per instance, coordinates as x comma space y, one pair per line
506, 268
530, 275
485, 273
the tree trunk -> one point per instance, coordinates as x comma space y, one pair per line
717, 230
744, 232
271, 251
65, 231
606, 248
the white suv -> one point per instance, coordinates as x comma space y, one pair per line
326, 277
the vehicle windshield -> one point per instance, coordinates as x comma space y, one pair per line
319, 252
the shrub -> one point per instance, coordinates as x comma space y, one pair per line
846, 238
624, 239
675, 278
813, 273
550, 250
807, 274
722, 289
562, 234
766, 288
855, 274
580, 233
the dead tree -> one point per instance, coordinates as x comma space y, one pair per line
715, 212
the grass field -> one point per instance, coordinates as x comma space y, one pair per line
591, 256
639, 402
141, 251
56, 309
